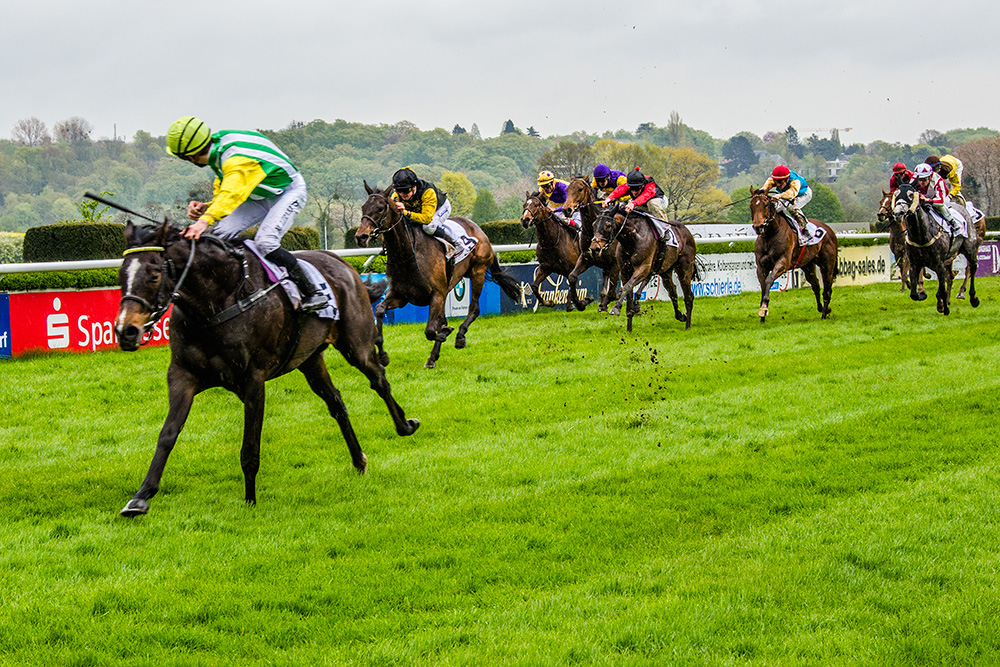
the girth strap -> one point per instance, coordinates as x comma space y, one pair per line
241, 306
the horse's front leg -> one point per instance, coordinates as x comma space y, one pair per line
182, 388
766, 281
540, 275
573, 278
253, 422
970, 273
437, 329
638, 275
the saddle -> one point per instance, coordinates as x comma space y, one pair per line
278, 275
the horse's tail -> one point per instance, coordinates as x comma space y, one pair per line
510, 286
376, 290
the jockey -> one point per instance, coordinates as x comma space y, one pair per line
255, 183
949, 168
552, 192
793, 194
644, 193
933, 191
605, 180
424, 204
900, 175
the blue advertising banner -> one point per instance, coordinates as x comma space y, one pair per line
4, 325
457, 304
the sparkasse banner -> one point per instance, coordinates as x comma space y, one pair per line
70, 321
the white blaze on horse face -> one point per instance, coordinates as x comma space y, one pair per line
131, 271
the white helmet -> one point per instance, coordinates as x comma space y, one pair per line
922, 170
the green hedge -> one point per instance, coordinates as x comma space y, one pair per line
993, 223
34, 282
11, 248
507, 232
74, 241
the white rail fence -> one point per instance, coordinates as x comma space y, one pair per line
42, 267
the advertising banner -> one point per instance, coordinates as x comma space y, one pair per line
863, 265
71, 321
456, 304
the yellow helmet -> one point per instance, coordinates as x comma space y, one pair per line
187, 136
545, 177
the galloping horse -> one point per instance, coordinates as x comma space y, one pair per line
928, 247
777, 250
642, 255
897, 240
229, 329
420, 274
558, 250
580, 196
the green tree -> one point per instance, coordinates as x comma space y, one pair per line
739, 212
738, 155
824, 205
485, 208
460, 191
511, 207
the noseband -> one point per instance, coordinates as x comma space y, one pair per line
157, 311
376, 230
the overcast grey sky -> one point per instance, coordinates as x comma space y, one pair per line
887, 70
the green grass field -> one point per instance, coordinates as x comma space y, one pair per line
804, 492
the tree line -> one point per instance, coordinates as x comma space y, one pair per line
44, 174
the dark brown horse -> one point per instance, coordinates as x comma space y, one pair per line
777, 250
579, 196
228, 329
558, 250
897, 240
641, 256
928, 248
419, 272
980, 229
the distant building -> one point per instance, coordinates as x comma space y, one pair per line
833, 167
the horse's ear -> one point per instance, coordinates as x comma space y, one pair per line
129, 231
388, 190
884, 193
368, 188
161, 233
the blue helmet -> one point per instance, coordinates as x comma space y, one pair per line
601, 171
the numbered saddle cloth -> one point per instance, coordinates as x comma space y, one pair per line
960, 215
663, 231
278, 274
815, 233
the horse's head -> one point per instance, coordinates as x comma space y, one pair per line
607, 227
148, 273
884, 215
761, 210
578, 193
533, 209
904, 201
374, 213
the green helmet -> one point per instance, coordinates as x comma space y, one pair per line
187, 136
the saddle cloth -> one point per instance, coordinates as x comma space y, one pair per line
961, 215
457, 231
279, 274
812, 234
663, 231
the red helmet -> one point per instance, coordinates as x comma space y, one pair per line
898, 168
781, 171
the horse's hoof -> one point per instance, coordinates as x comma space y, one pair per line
960, 295
409, 427
920, 296
135, 507
762, 313
615, 311
602, 309
429, 364
384, 359
363, 468
680, 317
762, 319
459, 342
974, 302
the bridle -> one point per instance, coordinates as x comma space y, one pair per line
614, 232
376, 230
914, 202
540, 213
771, 211
157, 311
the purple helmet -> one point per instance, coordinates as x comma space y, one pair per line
601, 171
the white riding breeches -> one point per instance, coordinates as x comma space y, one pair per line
440, 216
274, 215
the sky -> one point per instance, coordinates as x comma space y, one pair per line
888, 71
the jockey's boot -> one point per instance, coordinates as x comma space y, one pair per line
800, 218
956, 244
463, 244
312, 297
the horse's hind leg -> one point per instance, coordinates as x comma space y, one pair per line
437, 328
475, 289
387, 304
181, 390
253, 423
809, 271
972, 265
314, 368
